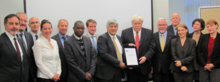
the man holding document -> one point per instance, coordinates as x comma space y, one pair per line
141, 38
110, 58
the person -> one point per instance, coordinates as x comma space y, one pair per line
14, 61
110, 59
208, 53
46, 55
28, 42
175, 19
60, 38
91, 27
34, 24
198, 25
141, 38
80, 56
183, 52
160, 47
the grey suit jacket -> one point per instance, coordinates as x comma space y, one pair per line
78, 64
62, 56
107, 62
11, 69
185, 54
96, 36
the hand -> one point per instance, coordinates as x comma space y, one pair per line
130, 68
171, 71
142, 59
152, 70
122, 65
88, 76
131, 44
209, 66
206, 67
178, 63
56, 77
184, 68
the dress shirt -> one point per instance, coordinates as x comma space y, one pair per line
165, 37
33, 35
90, 36
24, 38
174, 30
11, 37
78, 38
61, 38
118, 43
139, 33
47, 58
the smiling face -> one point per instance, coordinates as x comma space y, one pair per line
91, 28
23, 22
162, 25
112, 29
63, 27
79, 29
137, 25
34, 24
175, 19
46, 30
182, 32
212, 28
12, 25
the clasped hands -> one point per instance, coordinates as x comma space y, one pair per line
56, 77
179, 64
208, 66
88, 76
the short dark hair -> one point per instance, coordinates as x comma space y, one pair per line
201, 21
90, 20
9, 16
43, 22
79, 21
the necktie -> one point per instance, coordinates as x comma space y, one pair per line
25, 47
162, 42
117, 50
94, 43
36, 36
64, 38
63, 41
137, 41
17, 48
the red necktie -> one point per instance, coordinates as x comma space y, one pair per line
17, 48
137, 42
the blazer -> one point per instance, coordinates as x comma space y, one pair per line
96, 37
107, 62
62, 56
203, 51
145, 42
78, 64
47, 58
11, 69
170, 29
161, 60
185, 54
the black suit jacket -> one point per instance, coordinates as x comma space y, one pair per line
161, 59
107, 62
185, 54
62, 56
11, 69
171, 30
78, 64
145, 42
203, 51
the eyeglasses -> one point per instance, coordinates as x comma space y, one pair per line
34, 22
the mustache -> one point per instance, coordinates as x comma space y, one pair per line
22, 25
137, 27
162, 28
14, 29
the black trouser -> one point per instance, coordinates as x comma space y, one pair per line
135, 75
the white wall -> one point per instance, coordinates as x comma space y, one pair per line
9, 7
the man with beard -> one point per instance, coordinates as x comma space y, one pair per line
13, 58
80, 56
28, 42
60, 38
34, 24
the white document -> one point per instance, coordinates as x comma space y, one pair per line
131, 56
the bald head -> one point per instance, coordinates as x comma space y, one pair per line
34, 24
175, 19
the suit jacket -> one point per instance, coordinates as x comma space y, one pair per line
203, 51
96, 36
107, 62
161, 60
62, 56
171, 30
185, 54
145, 42
78, 64
11, 69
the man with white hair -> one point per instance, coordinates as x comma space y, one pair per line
175, 19
160, 47
141, 38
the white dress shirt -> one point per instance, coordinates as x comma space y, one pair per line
139, 33
47, 58
33, 35
11, 37
118, 43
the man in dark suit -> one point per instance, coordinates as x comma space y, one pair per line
110, 58
27, 43
34, 25
60, 38
80, 56
13, 58
141, 37
175, 21
160, 47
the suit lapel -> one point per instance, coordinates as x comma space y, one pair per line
167, 40
216, 44
157, 38
111, 42
87, 46
132, 35
59, 43
76, 43
143, 37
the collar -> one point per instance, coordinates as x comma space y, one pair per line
78, 38
9, 35
60, 35
91, 35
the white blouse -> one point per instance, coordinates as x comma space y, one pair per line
47, 58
